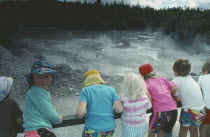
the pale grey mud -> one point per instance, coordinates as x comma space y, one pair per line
113, 53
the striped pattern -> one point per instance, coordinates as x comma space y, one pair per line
134, 113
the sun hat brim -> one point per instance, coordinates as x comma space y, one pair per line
93, 79
43, 71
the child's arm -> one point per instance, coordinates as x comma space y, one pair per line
177, 99
174, 90
61, 117
43, 104
174, 93
118, 107
149, 96
81, 110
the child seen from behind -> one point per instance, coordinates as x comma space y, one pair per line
100, 102
135, 103
204, 83
193, 112
11, 114
164, 106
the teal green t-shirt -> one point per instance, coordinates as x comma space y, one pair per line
39, 111
100, 113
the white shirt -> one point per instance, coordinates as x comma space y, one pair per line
189, 92
204, 83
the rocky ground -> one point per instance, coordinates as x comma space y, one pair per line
16, 60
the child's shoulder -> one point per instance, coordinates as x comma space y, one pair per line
9, 101
206, 76
36, 91
109, 87
183, 77
122, 97
156, 79
101, 87
162, 78
106, 86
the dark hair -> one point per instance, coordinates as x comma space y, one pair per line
182, 67
31, 80
206, 66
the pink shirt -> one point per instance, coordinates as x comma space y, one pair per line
134, 113
160, 91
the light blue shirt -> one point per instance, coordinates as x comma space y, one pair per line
39, 111
100, 113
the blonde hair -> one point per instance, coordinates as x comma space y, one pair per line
133, 86
150, 75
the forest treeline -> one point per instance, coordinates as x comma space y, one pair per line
183, 23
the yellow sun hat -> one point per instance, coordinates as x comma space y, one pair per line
92, 77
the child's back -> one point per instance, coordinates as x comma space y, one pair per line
203, 82
134, 113
10, 111
205, 86
160, 91
189, 92
100, 99
192, 112
135, 104
164, 106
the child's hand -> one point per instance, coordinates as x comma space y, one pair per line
61, 117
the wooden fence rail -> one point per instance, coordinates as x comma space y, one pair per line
71, 120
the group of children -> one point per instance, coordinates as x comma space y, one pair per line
98, 103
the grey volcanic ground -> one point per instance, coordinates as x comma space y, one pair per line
113, 53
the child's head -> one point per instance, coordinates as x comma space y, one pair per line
5, 86
133, 86
92, 77
206, 68
182, 67
41, 74
147, 71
